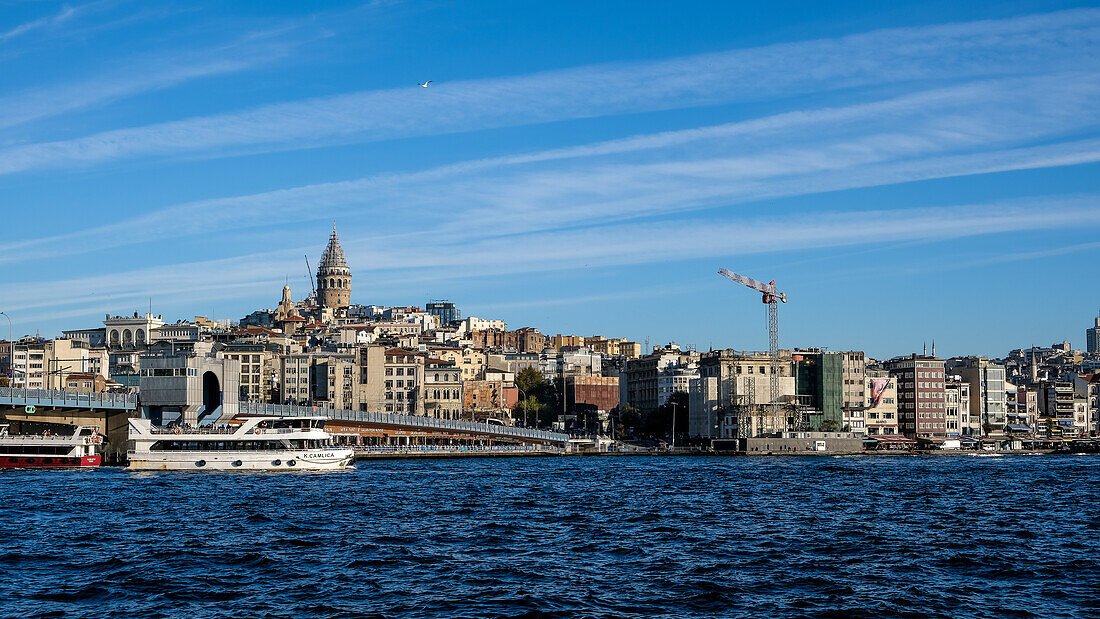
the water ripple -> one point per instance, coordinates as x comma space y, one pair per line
573, 537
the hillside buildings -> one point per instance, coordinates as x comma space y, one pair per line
322, 349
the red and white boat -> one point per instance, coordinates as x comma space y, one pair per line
50, 449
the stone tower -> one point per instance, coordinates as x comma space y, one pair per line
333, 275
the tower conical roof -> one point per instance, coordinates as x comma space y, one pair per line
334, 257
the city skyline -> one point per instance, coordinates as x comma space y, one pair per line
926, 173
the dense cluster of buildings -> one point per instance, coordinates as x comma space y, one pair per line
324, 350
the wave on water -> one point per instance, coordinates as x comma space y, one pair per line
569, 537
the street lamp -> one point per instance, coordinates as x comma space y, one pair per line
673, 424
524, 394
11, 350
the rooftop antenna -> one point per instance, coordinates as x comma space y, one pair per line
312, 286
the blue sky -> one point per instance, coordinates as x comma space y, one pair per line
905, 173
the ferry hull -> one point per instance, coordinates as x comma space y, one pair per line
329, 460
49, 462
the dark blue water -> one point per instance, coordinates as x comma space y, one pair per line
567, 537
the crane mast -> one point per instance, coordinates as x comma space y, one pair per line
771, 297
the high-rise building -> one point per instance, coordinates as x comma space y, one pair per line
1092, 337
988, 395
333, 275
921, 410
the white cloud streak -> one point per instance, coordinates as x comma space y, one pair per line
145, 74
613, 245
1067, 40
948, 132
65, 14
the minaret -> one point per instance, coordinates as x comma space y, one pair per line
333, 275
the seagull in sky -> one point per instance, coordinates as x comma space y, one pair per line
424, 84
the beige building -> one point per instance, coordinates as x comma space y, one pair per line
85, 382
442, 390
257, 373
390, 380
469, 361
881, 403
557, 342
602, 345
630, 350
324, 379
46, 364
854, 369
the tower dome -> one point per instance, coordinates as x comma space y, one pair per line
333, 275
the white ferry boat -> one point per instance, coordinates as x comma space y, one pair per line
51, 449
254, 444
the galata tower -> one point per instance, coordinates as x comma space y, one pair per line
333, 275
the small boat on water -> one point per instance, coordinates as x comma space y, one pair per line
61, 449
246, 444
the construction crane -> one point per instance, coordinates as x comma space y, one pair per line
312, 286
771, 297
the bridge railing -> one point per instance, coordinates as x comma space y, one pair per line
414, 421
448, 449
65, 398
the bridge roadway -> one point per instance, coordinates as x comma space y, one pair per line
371, 429
62, 398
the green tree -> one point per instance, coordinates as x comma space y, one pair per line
529, 380
539, 395
829, 425
630, 420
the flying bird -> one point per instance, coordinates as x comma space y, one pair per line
424, 84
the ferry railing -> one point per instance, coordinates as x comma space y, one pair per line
219, 430
17, 396
393, 419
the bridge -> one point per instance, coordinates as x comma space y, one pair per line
370, 433
370, 429
61, 398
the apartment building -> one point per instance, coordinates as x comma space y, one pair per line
920, 385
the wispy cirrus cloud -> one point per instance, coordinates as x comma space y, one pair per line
398, 266
65, 14
1034, 44
151, 72
976, 128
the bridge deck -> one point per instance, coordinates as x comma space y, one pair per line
405, 422
61, 398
